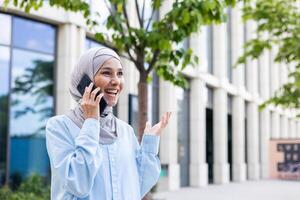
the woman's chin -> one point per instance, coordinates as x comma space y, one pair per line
111, 103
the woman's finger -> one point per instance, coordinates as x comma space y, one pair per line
147, 127
86, 94
163, 119
94, 93
99, 97
168, 116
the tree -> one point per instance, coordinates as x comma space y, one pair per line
150, 45
280, 20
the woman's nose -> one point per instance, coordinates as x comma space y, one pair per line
115, 80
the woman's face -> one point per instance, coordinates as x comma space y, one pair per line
111, 80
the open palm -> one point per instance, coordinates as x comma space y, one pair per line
157, 128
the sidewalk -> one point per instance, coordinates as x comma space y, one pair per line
250, 190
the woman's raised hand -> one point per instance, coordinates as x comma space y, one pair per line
90, 102
157, 128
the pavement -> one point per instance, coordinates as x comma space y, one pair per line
249, 190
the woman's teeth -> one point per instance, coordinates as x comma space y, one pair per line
111, 92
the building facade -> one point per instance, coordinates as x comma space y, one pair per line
216, 134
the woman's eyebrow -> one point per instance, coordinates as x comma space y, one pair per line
108, 68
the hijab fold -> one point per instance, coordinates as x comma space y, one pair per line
89, 64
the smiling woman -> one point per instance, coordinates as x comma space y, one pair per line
97, 156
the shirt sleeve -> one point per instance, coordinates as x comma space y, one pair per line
74, 163
148, 162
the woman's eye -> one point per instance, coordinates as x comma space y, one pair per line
120, 73
105, 73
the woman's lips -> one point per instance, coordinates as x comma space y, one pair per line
110, 95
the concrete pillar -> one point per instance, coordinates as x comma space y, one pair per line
169, 142
220, 135
219, 47
251, 64
292, 128
275, 125
264, 128
252, 111
274, 72
284, 126
252, 141
123, 103
71, 40
220, 166
264, 143
198, 165
298, 129
198, 98
238, 104
238, 139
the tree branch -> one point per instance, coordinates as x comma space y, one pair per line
153, 61
143, 12
138, 13
126, 16
148, 24
123, 34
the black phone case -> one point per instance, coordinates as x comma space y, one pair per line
85, 82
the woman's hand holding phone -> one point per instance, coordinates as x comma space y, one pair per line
90, 102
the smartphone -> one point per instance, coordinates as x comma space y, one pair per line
85, 82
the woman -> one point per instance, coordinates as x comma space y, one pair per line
98, 157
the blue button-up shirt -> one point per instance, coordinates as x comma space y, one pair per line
82, 168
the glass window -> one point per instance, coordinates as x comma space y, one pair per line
229, 104
32, 88
26, 95
133, 112
4, 67
89, 43
5, 33
229, 132
4, 86
183, 116
209, 103
33, 35
155, 99
32, 100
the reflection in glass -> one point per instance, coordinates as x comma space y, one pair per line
33, 35
4, 70
4, 78
32, 104
5, 33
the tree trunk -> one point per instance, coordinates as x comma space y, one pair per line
143, 104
